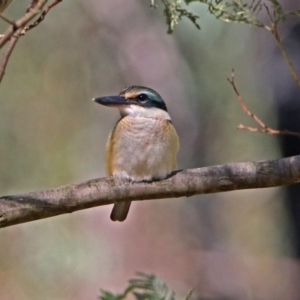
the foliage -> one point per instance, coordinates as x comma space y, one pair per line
174, 12
234, 11
237, 11
144, 287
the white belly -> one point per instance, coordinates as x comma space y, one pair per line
143, 149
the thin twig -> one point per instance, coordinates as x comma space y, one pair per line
5, 57
263, 127
31, 5
268, 130
22, 22
284, 54
14, 31
242, 103
7, 20
268, 13
41, 17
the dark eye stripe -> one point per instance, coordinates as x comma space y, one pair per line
143, 96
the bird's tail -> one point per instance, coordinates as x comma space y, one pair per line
120, 211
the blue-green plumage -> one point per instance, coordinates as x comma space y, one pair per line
145, 97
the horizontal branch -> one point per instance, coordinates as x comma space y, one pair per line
103, 191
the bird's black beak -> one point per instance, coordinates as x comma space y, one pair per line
112, 100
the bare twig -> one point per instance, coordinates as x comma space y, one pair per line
269, 14
41, 17
21, 22
27, 207
242, 103
268, 130
17, 28
263, 127
284, 54
274, 30
4, 60
7, 20
31, 5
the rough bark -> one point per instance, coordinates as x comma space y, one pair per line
31, 206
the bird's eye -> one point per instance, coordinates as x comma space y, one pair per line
142, 97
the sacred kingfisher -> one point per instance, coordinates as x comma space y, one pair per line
143, 145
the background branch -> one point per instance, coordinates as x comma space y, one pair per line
263, 128
284, 54
7, 20
103, 191
12, 34
21, 22
41, 17
234, 11
16, 29
5, 57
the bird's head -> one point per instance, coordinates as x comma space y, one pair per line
137, 101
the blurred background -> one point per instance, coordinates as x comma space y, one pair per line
234, 245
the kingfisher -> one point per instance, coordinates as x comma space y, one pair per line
143, 144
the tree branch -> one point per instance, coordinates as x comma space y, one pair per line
27, 207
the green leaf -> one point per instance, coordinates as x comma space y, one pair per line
236, 11
152, 287
144, 287
106, 295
